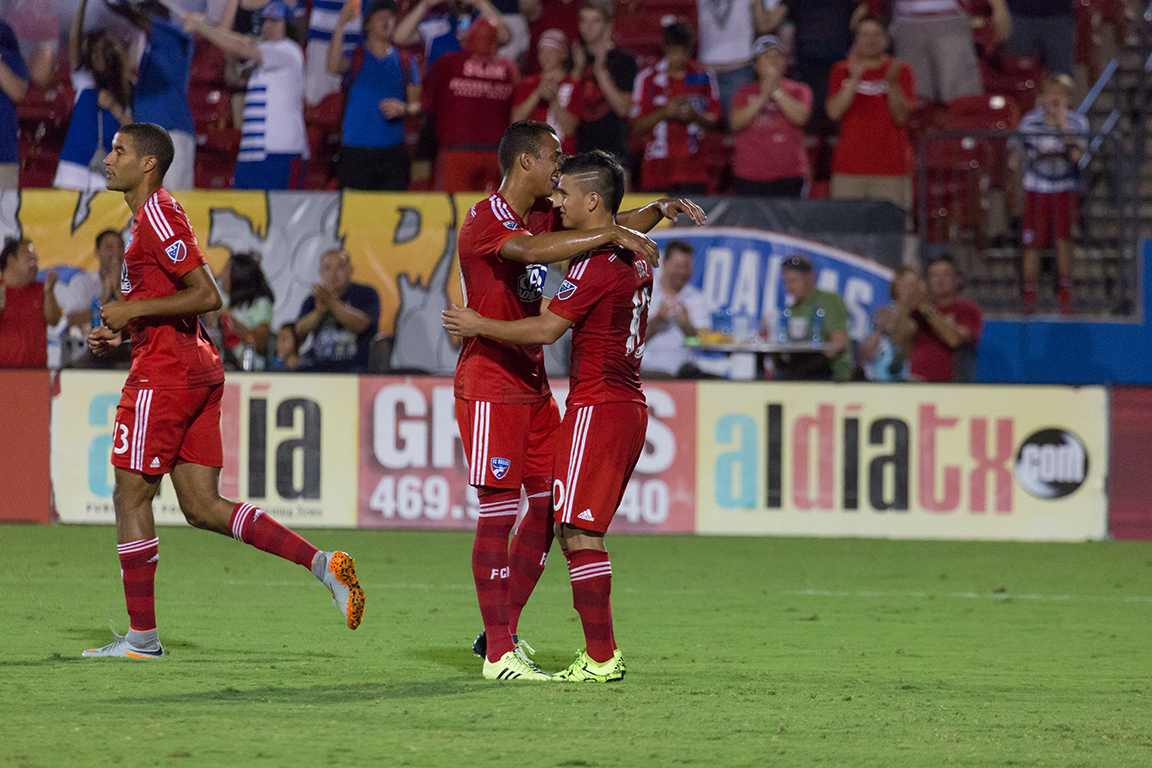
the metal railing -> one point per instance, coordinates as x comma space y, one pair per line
970, 203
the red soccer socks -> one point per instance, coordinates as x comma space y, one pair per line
498, 508
530, 546
591, 575
138, 561
251, 526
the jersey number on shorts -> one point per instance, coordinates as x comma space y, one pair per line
635, 344
121, 445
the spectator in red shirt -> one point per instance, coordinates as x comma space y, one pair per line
947, 327
768, 118
468, 95
674, 103
553, 96
27, 308
871, 94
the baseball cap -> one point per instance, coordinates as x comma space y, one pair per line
767, 43
554, 38
277, 9
798, 263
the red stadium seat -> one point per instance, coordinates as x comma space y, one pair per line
211, 108
208, 64
1017, 78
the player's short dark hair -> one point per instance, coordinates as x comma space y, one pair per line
520, 137
11, 246
108, 233
606, 172
678, 34
682, 246
150, 140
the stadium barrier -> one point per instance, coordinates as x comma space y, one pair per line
897, 461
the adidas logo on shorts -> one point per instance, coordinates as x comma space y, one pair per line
585, 515
155, 464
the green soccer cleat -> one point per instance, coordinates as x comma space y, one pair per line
337, 571
585, 670
122, 648
513, 666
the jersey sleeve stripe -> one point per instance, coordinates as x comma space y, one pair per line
156, 219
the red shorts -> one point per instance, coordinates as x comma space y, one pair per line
599, 447
1047, 214
157, 428
507, 442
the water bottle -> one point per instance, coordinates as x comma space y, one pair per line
817, 328
722, 321
96, 312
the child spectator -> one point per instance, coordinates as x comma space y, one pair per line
103, 101
246, 319
1053, 138
287, 357
383, 89
552, 96
674, 103
768, 118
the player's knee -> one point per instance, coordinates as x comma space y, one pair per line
197, 514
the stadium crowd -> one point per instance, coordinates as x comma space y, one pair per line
326, 94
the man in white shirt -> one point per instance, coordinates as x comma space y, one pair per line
273, 146
676, 311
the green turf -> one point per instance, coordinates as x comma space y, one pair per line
741, 652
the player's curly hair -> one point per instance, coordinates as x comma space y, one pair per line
150, 140
603, 173
520, 137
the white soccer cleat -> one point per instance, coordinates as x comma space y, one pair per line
513, 666
122, 648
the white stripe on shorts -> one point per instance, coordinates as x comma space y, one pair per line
479, 460
140, 429
576, 460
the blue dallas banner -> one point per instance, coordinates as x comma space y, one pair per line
738, 269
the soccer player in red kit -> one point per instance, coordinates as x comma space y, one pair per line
605, 300
168, 419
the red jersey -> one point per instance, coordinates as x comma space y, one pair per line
23, 334
172, 352
932, 359
501, 289
470, 99
871, 143
571, 97
673, 150
606, 296
772, 147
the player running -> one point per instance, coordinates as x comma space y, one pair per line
168, 418
504, 408
605, 299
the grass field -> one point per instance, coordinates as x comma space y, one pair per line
741, 652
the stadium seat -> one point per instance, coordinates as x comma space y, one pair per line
208, 64
211, 108
1017, 78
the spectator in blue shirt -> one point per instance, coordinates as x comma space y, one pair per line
383, 89
161, 95
13, 86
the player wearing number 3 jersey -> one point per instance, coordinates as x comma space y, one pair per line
605, 300
504, 408
168, 419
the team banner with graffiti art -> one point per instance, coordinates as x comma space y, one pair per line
931, 462
289, 448
413, 471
